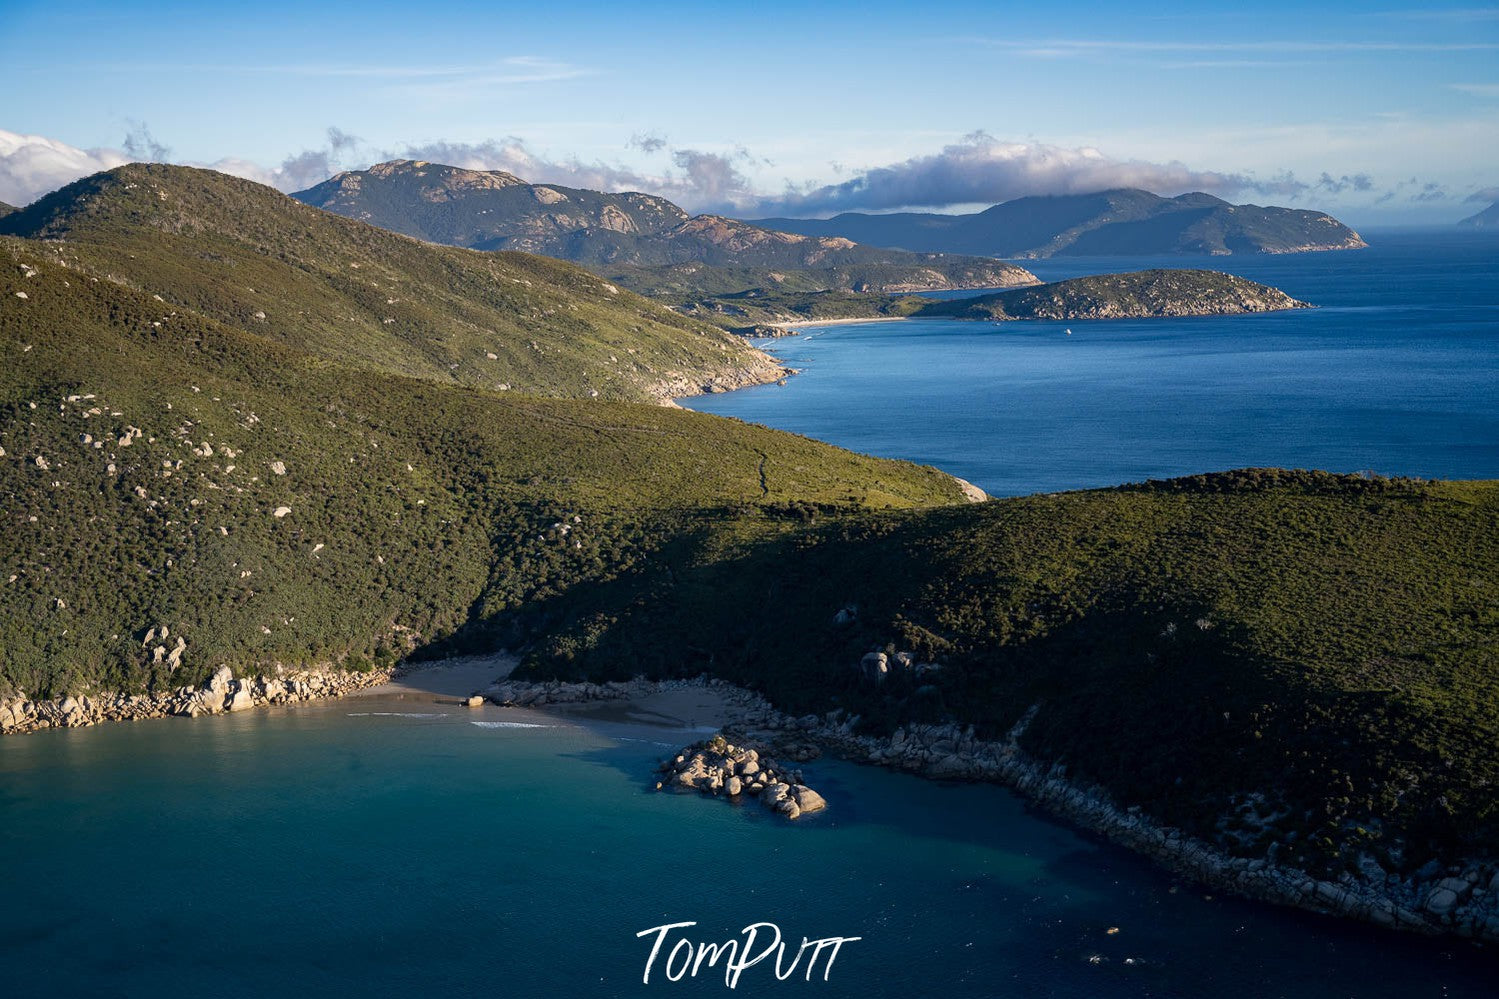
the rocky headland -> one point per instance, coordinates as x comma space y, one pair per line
1459, 899
1151, 294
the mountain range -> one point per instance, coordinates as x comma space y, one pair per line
625, 236
1121, 222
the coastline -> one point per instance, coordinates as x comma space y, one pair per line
1460, 901
810, 323
222, 694
765, 371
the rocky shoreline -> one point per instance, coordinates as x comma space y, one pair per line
1460, 900
223, 693
763, 370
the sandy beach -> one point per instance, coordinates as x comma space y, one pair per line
809, 323
451, 681
448, 680
693, 709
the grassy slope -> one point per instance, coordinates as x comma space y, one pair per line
250, 257
434, 505
1329, 641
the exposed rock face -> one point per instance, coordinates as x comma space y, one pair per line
718, 767
676, 385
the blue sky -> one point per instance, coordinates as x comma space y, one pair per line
1380, 114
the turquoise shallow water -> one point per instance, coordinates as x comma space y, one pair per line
333, 850
1396, 372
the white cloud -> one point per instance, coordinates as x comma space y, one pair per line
981, 169
32, 165
698, 180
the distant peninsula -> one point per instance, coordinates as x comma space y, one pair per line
1123, 222
1136, 295
1157, 293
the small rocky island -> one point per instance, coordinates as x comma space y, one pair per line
719, 768
1135, 295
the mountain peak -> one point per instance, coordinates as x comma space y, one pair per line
439, 172
162, 194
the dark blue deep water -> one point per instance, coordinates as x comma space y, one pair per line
341, 849
1397, 372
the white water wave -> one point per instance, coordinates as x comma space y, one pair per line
491, 724
397, 714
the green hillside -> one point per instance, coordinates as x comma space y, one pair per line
250, 257
147, 450
1257, 656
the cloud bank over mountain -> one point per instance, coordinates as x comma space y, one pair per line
979, 169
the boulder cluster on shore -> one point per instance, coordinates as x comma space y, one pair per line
718, 767
222, 693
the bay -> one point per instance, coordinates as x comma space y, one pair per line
393, 847
1396, 372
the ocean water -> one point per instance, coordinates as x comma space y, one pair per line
1397, 372
377, 847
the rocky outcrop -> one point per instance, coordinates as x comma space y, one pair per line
718, 768
222, 693
676, 385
